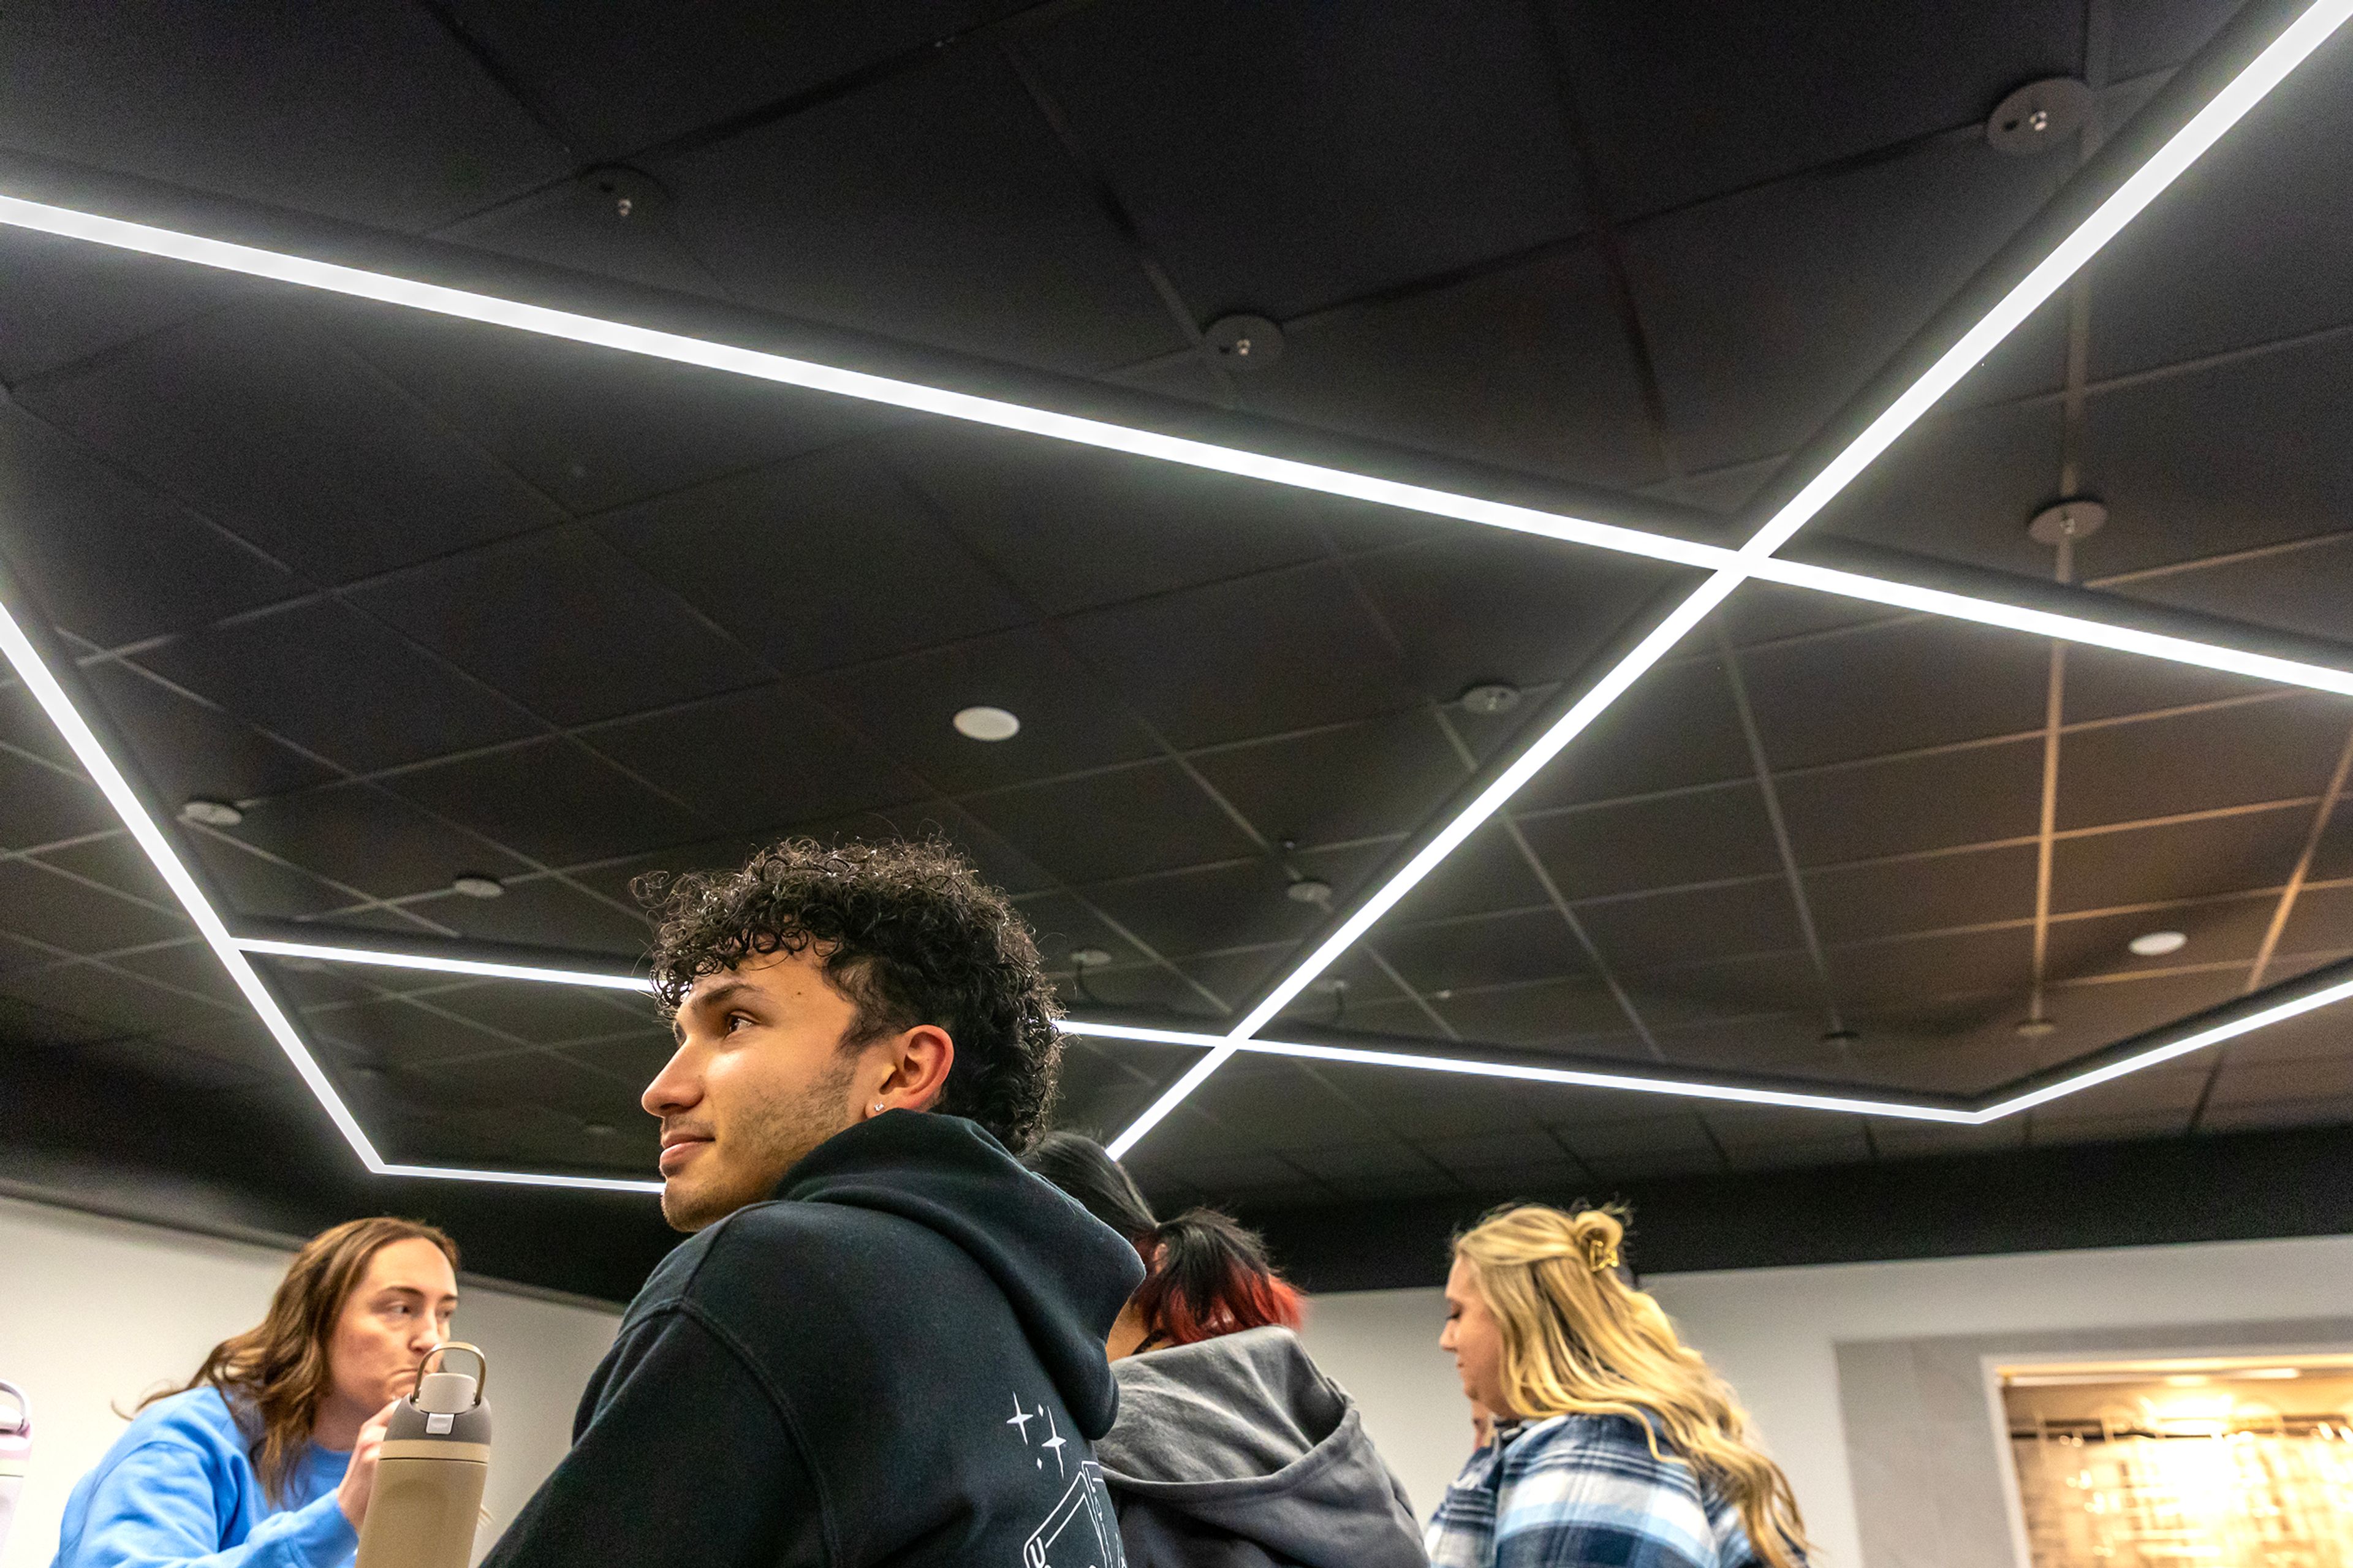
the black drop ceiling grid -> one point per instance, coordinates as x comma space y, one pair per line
1195, 751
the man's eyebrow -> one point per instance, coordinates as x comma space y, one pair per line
703, 1000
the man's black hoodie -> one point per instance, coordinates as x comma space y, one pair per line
898, 1359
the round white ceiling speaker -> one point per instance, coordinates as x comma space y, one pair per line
477, 887
211, 814
2158, 944
985, 723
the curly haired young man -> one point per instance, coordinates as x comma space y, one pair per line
883, 1343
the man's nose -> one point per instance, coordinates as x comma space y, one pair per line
674, 1089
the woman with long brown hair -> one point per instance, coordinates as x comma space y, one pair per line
1614, 1442
266, 1457
1231, 1449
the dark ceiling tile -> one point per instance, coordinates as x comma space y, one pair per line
2224, 930
391, 1033
1211, 909
1961, 486
1064, 924
1900, 1140
361, 836
1070, 719
376, 116
1784, 1044
2317, 1035
566, 626
1704, 837
2051, 1129
1284, 650
2180, 860
551, 801
1146, 988
25, 726
68, 300
1888, 974
1120, 824
2276, 1113
1766, 310
1528, 368
617, 79
187, 749
64, 911
1370, 780
1284, 1105
1075, 528
630, 1060
337, 682
2333, 855
116, 862
2197, 761
1279, 157
1485, 951
194, 970
542, 912
1671, 997
2106, 685
1895, 688
1496, 1154
1480, 605
1838, 1143
260, 423
2300, 591
823, 562
606, 223
244, 880
757, 759
1762, 613
2235, 456
43, 805
1902, 806
110, 561
1687, 99
1676, 928
117, 1001
552, 1015
596, 428
1571, 1013
1890, 897
2321, 920
2108, 1010
533, 1081
936, 205
2149, 34
2250, 247
1419, 1105
1677, 728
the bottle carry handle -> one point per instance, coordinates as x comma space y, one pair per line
481, 1365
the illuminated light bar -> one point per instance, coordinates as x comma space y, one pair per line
2198, 1041
2296, 42
477, 968
1572, 1077
522, 1179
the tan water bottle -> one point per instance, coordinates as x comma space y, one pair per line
429, 1480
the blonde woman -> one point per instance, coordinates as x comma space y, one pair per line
1614, 1443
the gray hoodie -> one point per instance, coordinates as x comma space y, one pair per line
1238, 1452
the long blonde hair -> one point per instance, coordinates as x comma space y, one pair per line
276, 1375
1578, 1340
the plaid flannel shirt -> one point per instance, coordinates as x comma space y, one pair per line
1582, 1491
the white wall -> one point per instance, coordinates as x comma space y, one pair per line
95, 1312
1771, 1332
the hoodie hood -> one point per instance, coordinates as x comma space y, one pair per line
1066, 1274
1246, 1436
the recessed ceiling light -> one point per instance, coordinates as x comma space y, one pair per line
1310, 891
1492, 697
2158, 944
1088, 957
474, 887
211, 814
985, 723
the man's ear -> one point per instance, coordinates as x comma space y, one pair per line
916, 1065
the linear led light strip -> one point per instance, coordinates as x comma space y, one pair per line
2309, 30
1750, 561
1575, 1078
2306, 34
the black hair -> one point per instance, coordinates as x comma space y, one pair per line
1205, 1274
907, 932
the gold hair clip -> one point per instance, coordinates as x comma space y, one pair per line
1600, 1256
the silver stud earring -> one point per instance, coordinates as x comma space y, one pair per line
878, 1108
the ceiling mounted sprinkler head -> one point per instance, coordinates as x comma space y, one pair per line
1244, 342
473, 886
211, 814
1490, 697
2067, 522
2040, 116
1310, 891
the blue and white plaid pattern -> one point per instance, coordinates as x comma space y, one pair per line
1582, 1491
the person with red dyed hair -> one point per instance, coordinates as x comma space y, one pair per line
1231, 1448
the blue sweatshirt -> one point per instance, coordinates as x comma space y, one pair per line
179, 1490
